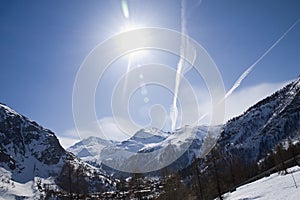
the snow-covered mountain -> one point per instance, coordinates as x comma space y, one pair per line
150, 147
88, 149
159, 149
28, 150
249, 136
253, 134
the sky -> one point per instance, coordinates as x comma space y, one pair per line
44, 43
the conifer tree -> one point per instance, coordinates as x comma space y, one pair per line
215, 157
280, 158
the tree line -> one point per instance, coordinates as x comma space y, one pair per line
206, 178
216, 174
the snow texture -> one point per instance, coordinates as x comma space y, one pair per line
275, 187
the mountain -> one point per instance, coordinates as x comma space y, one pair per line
249, 136
29, 151
159, 149
253, 134
262, 140
152, 148
88, 149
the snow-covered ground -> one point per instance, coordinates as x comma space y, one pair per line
273, 187
10, 189
17, 190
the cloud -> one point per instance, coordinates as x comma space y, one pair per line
236, 104
68, 138
109, 131
67, 141
241, 100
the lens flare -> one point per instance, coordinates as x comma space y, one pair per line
125, 9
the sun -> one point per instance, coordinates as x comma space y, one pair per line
139, 54
129, 26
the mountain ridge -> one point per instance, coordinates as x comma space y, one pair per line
264, 124
246, 134
29, 152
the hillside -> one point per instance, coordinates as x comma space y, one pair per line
33, 163
264, 137
29, 152
275, 187
248, 137
153, 148
253, 134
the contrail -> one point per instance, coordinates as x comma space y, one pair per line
249, 69
127, 71
174, 110
243, 76
186, 52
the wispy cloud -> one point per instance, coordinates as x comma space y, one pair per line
67, 141
111, 129
68, 138
108, 127
241, 100
236, 104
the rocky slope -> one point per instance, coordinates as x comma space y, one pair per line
28, 150
148, 149
249, 136
253, 134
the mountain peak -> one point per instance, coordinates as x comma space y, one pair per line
27, 151
149, 133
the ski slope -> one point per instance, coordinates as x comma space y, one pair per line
274, 187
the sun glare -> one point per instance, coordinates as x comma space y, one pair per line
130, 26
136, 55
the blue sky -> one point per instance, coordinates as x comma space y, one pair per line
43, 44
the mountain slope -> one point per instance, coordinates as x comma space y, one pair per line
273, 187
28, 151
148, 148
249, 137
253, 134
26, 148
88, 149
